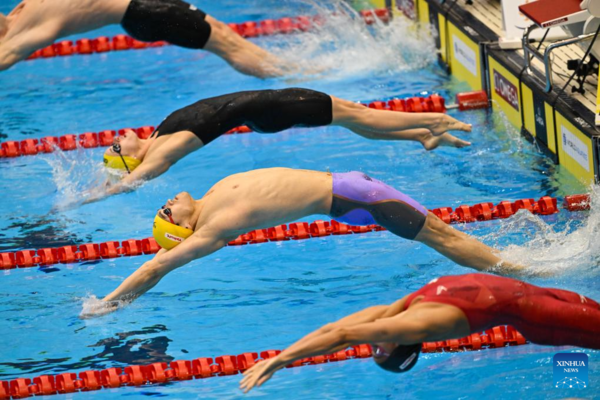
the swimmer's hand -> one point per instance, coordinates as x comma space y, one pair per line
260, 373
64, 207
96, 194
443, 123
93, 307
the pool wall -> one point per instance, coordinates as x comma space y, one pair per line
564, 128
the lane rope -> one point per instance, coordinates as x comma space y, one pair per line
295, 231
202, 368
249, 29
90, 140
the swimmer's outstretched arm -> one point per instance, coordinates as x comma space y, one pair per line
369, 314
149, 274
146, 171
405, 331
428, 324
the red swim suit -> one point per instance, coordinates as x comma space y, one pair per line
544, 316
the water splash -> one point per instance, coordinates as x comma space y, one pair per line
76, 172
345, 46
573, 249
93, 307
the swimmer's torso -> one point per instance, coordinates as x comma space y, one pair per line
265, 197
66, 17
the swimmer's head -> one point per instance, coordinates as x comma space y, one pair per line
396, 358
173, 222
123, 154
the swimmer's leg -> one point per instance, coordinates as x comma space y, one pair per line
243, 55
421, 135
550, 321
182, 24
461, 248
385, 123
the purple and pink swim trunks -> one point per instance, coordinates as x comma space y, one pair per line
361, 200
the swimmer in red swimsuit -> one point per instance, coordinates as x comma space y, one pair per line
449, 307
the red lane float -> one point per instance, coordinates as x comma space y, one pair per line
248, 29
201, 368
89, 140
294, 231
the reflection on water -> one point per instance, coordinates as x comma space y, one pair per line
126, 348
36, 232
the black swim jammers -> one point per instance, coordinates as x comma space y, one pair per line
174, 21
264, 111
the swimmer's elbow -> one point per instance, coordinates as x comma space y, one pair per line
350, 335
341, 336
151, 274
6, 62
9, 56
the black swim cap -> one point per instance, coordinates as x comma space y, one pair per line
402, 359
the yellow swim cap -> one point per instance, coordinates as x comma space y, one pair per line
169, 235
117, 162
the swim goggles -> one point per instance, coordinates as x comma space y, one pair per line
168, 213
379, 351
117, 149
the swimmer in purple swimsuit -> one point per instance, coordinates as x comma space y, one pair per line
359, 199
188, 229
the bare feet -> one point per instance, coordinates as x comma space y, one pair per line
430, 142
444, 123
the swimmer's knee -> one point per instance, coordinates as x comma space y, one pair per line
347, 112
222, 38
434, 229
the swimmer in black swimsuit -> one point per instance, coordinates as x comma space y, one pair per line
267, 111
34, 24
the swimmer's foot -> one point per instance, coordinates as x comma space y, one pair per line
444, 123
430, 142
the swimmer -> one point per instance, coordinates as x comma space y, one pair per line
35, 24
449, 307
188, 229
267, 111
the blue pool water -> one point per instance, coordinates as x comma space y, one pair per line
265, 296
